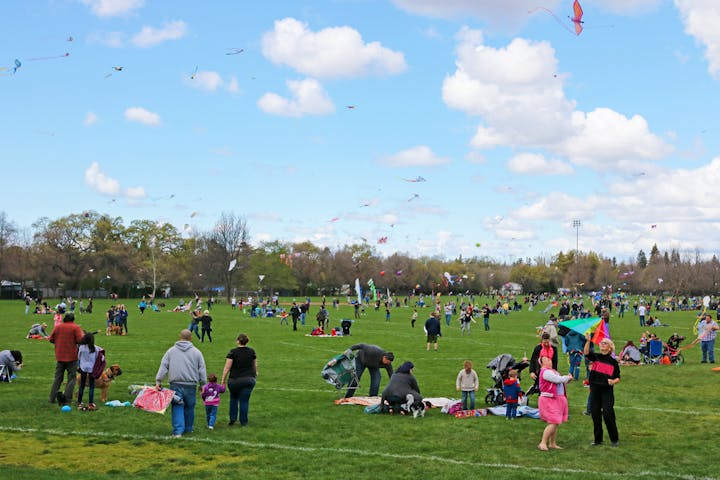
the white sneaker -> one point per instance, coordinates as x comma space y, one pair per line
211, 427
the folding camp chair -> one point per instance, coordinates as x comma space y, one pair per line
655, 352
5, 374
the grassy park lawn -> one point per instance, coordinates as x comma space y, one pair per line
668, 416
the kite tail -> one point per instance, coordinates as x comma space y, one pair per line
557, 19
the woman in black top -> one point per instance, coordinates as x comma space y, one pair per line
241, 366
604, 375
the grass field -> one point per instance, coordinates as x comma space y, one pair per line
668, 416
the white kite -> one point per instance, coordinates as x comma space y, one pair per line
233, 262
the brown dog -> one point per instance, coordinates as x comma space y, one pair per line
114, 330
107, 377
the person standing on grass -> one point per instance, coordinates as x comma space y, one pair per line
604, 375
553, 404
240, 372
414, 317
707, 332
211, 397
295, 314
66, 337
122, 318
205, 321
468, 383
486, 316
184, 366
87, 355
432, 329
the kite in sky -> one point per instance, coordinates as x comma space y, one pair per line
576, 18
334, 219
351, 107
14, 68
415, 180
234, 51
415, 195
382, 240
115, 69
194, 74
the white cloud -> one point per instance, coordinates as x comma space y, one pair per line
701, 19
100, 182
211, 81
135, 193
420, 156
150, 36
141, 115
518, 93
308, 98
206, 80
90, 119
606, 140
334, 52
113, 8
619, 220
536, 164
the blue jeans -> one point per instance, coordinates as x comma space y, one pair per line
211, 414
468, 395
240, 391
183, 416
374, 379
448, 318
486, 321
575, 361
511, 410
642, 320
708, 350
193, 327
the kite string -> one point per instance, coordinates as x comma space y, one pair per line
557, 19
35, 59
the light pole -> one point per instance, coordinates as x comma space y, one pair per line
576, 225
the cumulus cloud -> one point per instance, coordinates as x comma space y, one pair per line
701, 18
141, 115
605, 140
420, 156
334, 52
101, 183
537, 164
517, 92
90, 119
211, 81
684, 218
150, 36
308, 98
113, 8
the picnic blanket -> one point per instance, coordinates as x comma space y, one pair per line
152, 400
522, 411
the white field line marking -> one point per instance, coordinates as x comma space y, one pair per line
366, 453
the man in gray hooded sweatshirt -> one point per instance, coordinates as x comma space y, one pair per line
184, 366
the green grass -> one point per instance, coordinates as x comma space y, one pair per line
667, 415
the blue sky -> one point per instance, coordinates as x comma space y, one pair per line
517, 126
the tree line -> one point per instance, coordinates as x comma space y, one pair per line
92, 251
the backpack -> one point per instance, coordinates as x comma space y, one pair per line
100, 362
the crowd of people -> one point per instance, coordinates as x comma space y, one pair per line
183, 365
